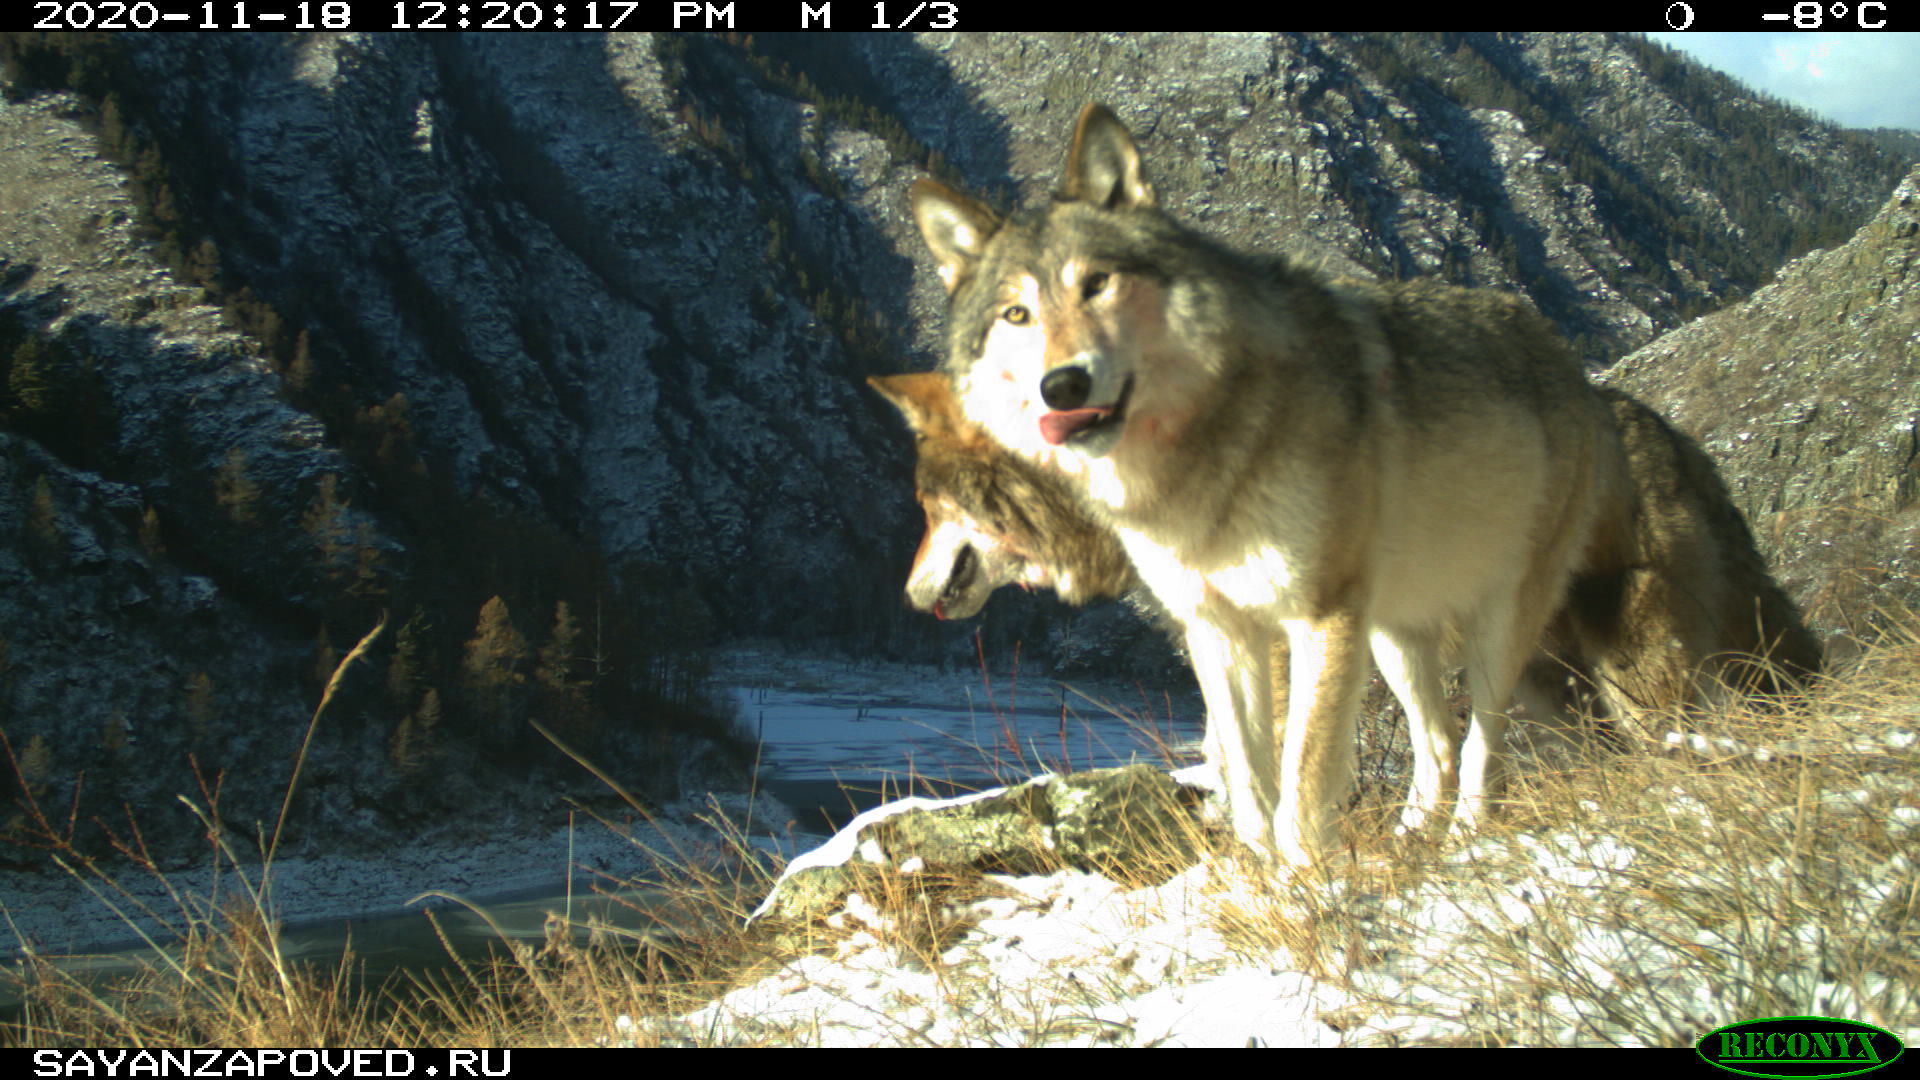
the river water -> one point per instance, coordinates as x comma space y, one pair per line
836, 737
842, 737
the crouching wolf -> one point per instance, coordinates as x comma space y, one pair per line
1341, 464
994, 518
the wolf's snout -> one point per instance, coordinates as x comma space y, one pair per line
1066, 388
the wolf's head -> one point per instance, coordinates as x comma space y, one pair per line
992, 519
962, 558
1067, 326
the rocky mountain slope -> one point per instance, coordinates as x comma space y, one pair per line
551, 348
1808, 395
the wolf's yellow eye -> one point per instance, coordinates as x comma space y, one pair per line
1094, 285
1017, 315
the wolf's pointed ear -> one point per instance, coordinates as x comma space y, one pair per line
1103, 164
920, 396
955, 227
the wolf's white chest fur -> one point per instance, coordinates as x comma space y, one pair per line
1258, 577
1261, 580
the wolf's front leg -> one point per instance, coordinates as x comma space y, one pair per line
1411, 664
1233, 663
1316, 763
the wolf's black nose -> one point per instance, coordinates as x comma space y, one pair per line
1066, 388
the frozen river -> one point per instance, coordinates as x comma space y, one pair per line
873, 728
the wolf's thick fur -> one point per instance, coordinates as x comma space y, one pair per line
1670, 605
1339, 462
993, 518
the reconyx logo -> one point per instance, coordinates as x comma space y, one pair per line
1801, 1047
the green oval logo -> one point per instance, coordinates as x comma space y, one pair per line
1801, 1047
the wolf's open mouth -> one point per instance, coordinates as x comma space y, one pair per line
1060, 425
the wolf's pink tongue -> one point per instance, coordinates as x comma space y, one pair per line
1056, 426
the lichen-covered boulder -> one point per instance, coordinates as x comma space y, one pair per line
1132, 822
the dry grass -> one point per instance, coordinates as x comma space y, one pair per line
1760, 867
221, 976
1757, 862
218, 975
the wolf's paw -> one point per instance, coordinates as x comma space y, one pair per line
1417, 819
1301, 841
1469, 816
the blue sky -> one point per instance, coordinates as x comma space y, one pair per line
1859, 80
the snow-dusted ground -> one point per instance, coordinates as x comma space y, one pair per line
1064, 959
1567, 936
1073, 959
1644, 933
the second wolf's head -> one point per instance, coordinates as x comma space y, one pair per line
1071, 329
992, 518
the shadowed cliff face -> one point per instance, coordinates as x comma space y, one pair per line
301, 330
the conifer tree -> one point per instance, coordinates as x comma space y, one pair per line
565, 696
407, 673
234, 491
491, 667
416, 742
200, 705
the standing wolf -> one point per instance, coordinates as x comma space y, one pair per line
1670, 606
1337, 462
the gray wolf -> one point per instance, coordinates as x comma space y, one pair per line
993, 518
1350, 466
1670, 605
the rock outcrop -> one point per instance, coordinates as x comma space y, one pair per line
1129, 823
